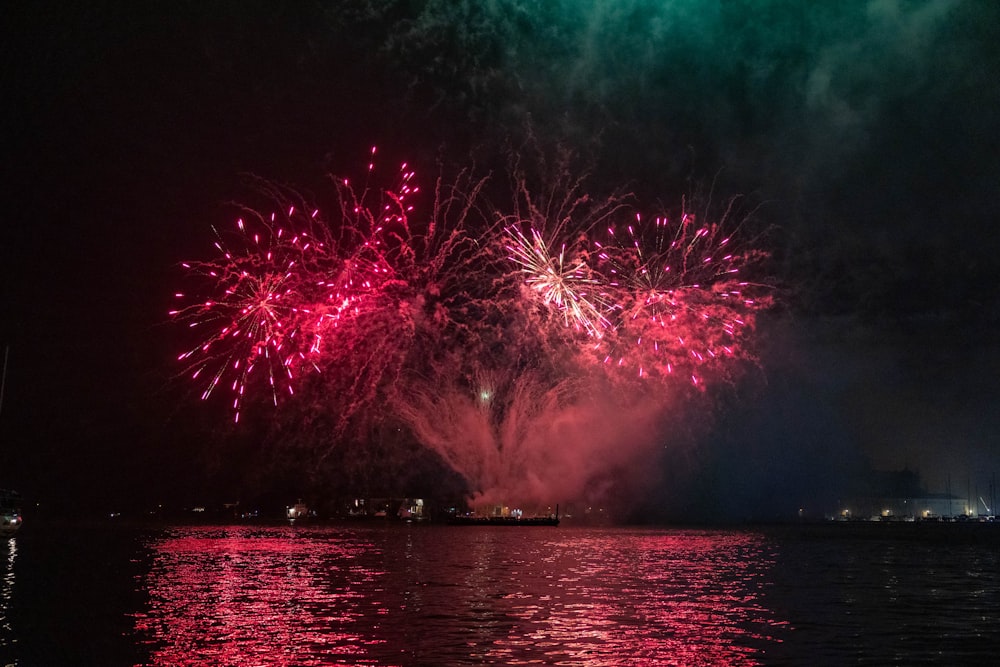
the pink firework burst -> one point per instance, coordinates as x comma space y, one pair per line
684, 302
360, 293
257, 321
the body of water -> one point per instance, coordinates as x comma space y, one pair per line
412, 594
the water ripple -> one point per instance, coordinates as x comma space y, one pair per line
452, 596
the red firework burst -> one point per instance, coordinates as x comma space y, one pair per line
257, 320
373, 293
684, 304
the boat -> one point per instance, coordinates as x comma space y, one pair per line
513, 519
297, 512
10, 512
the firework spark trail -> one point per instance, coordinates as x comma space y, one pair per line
428, 286
255, 320
287, 282
684, 307
568, 286
353, 294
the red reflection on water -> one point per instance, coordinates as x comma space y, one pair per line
441, 596
684, 598
239, 596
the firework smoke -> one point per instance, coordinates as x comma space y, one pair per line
529, 436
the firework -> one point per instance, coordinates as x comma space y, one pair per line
256, 322
488, 334
358, 292
684, 305
567, 285
351, 293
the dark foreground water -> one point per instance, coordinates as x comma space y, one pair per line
409, 594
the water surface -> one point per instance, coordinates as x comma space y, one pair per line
410, 594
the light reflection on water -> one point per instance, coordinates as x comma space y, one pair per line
440, 595
8, 553
681, 598
110, 594
247, 596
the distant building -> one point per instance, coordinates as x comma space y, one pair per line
898, 495
377, 508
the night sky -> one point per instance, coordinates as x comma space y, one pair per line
868, 132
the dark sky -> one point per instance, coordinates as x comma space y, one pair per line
868, 129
